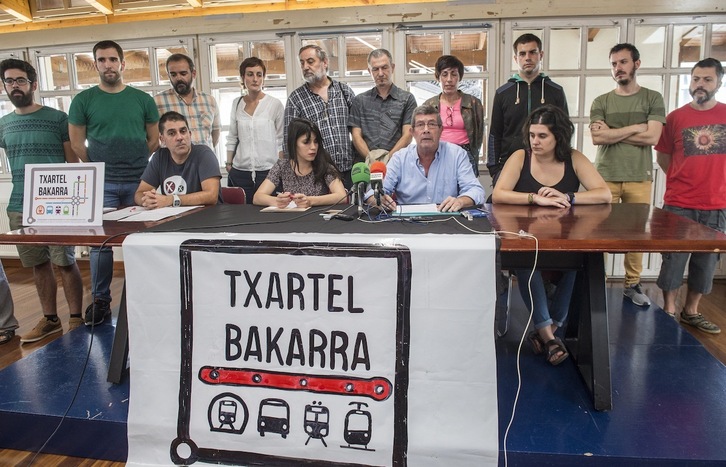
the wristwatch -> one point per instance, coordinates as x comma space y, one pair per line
177, 201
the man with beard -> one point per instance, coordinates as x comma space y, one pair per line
625, 123
692, 152
199, 108
526, 91
326, 103
36, 134
186, 174
119, 124
380, 119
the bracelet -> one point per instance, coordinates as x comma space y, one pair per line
227, 163
530, 198
571, 197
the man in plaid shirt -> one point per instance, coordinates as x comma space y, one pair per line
326, 103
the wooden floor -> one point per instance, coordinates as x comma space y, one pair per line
27, 311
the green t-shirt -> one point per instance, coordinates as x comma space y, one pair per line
35, 138
623, 162
116, 129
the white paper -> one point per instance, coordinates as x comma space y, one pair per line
157, 214
119, 214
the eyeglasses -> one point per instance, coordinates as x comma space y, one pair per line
449, 116
431, 124
18, 81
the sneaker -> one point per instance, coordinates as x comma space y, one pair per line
97, 312
699, 322
44, 328
636, 295
74, 322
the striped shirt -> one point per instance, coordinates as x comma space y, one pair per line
331, 118
202, 114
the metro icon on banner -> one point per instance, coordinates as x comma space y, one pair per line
293, 353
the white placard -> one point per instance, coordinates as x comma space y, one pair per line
63, 194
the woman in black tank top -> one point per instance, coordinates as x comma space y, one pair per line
549, 172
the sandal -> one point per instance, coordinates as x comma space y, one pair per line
6, 336
536, 342
554, 347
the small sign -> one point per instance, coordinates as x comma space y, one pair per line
63, 194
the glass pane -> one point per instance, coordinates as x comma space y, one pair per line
6, 107
686, 45
225, 60
599, 43
571, 86
330, 46
471, 49
472, 86
423, 90
272, 53
357, 49
563, 49
53, 72
422, 50
137, 71
59, 102
650, 41
162, 53
595, 86
654, 82
86, 73
360, 87
718, 42
588, 149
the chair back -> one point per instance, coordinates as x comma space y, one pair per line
233, 195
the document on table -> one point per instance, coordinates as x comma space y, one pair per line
118, 214
143, 215
292, 207
413, 210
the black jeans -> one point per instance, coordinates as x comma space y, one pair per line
243, 179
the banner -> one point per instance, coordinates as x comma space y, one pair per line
311, 350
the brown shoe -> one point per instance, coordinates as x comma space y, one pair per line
44, 328
74, 322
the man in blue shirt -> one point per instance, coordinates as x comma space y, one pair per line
429, 170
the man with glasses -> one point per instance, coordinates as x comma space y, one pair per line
526, 91
120, 125
36, 134
430, 170
691, 151
199, 108
326, 103
380, 118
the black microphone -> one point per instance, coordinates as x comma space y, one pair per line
378, 172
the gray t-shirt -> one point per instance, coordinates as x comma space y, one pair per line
180, 179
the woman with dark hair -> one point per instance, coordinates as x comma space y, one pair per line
254, 142
308, 178
549, 172
462, 114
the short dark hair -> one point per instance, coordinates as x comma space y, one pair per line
171, 116
559, 125
448, 61
179, 58
323, 163
425, 109
626, 46
319, 51
108, 45
252, 62
22, 65
526, 39
706, 63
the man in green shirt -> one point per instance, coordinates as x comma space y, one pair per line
626, 123
36, 134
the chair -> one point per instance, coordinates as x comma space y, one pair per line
233, 195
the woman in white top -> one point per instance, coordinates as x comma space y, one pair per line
254, 142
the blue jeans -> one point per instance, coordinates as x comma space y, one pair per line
542, 315
115, 195
243, 179
701, 266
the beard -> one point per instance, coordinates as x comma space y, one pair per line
314, 76
21, 99
183, 88
625, 80
704, 97
111, 79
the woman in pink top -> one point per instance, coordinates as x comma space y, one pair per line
461, 113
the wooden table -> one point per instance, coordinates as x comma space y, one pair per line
577, 239
110, 234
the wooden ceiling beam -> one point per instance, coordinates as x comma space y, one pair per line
18, 8
104, 6
195, 3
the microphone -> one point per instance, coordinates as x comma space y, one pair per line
378, 172
360, 175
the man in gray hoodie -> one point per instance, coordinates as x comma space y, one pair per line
526, 91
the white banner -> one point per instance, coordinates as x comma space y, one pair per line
311, 349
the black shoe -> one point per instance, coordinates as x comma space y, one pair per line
97, 312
